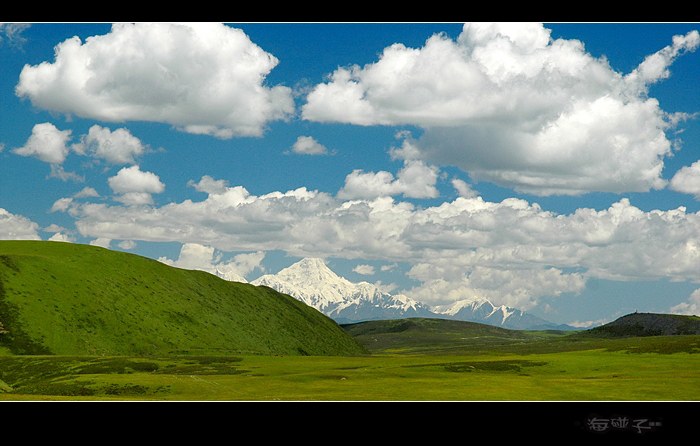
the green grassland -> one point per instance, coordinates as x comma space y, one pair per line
67, 299
638, 372
141, 330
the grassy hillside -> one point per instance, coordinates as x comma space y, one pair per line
68, 299
439, 336
448, 337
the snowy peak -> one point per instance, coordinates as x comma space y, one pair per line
309, 270
311, 281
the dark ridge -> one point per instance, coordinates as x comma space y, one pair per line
649, 324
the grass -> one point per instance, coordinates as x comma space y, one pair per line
68, 299
637, 371
84, 323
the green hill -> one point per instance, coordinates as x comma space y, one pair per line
651, 333
437, 336
69, 299
648, 324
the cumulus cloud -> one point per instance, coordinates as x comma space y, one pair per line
520, 289
209, 185
135, 186
87, 192
60, 237
509, 104
463, 188
127, 244
687, 180
117, 147
62, 204
307, 145
691, 307
414, 180
51, 145
510, 251
17, 227
205, 258
101, 242
203, 78
46, 143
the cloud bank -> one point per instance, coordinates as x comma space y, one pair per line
510, 251
509, 104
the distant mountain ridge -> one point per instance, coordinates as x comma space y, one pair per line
312, 282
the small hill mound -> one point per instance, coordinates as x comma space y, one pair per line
429, 335
69, 299
649, 324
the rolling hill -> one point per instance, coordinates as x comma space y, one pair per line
649, 324
437, 335
68, 299
637, 332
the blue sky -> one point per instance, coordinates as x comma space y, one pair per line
549, 167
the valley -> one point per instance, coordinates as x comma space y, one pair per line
614, 371
81, 323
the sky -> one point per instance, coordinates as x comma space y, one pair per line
554, 168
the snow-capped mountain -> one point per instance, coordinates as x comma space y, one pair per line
483, 311
312, 282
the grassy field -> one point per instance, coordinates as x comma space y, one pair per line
636, 369
83, 323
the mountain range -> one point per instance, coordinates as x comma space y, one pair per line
311, 281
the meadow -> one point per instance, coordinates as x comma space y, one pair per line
81, 323
633, 369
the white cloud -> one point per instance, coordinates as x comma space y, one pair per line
46, 143
205, 258
62, 204
510, 251
203, 78
508, 104
132, 179
102, 242
127, 244
12, 33
17, 227
691, 307
414, 180
60, 237
463, 188
655, 66
49, 144
366, 270
307, 145
57, 171
687, 180
117, 147
389, 267
135, 186
87, 192
518, 288
209, 185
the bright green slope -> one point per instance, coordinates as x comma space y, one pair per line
69, 299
